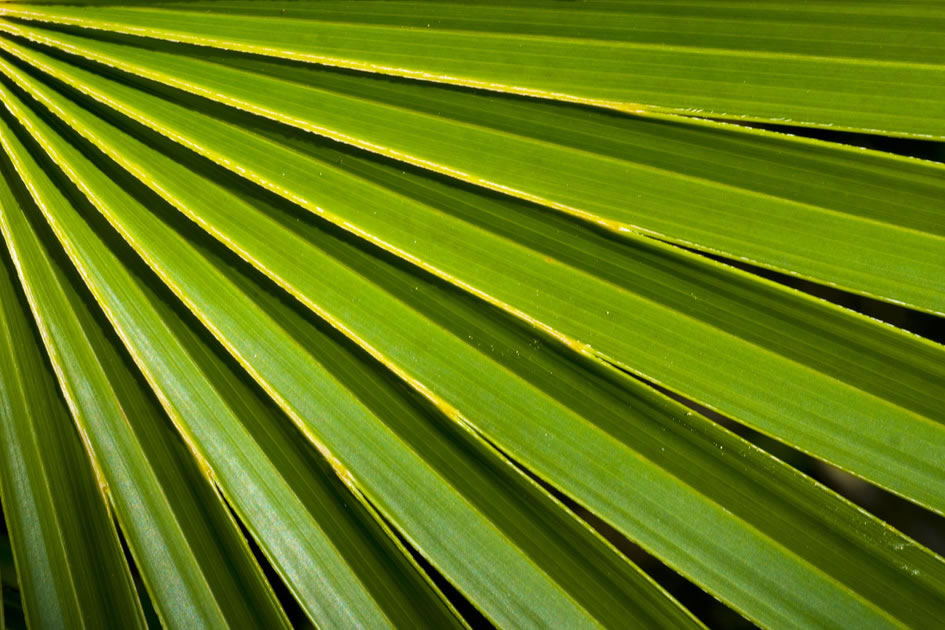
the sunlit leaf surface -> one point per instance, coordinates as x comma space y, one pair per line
399, 314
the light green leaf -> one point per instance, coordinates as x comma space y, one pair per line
391, 329
71, 566
715, 323
194, 561
865, 65
294, 507
555, 567
501, 385
864, 221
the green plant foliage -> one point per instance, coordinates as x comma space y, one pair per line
399, 314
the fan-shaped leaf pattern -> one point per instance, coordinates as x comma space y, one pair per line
403, 334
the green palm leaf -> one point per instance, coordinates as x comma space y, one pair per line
856, 66
319, 345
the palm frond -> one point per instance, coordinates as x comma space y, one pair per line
305, 318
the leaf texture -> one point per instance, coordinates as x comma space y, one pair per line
746, 194
193, 559
607, 314
180, 264
403, 335
866, 66
71, 565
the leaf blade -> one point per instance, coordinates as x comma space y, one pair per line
59, 523
866, 222
710, 323
509, 554
824, 64
684, 491
100, 397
